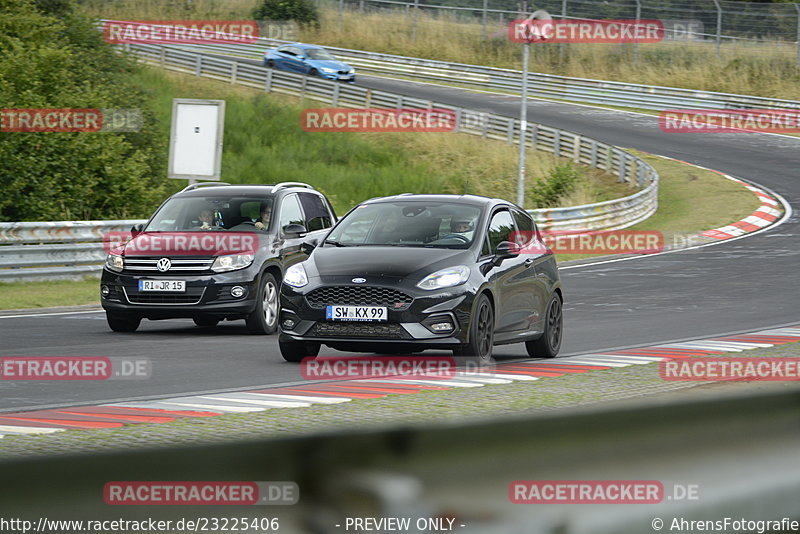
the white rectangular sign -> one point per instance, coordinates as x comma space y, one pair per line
195, 147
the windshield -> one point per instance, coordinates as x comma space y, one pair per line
319, 53
411, 224
213, 213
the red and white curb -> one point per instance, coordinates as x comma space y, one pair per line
766, 214
170, 409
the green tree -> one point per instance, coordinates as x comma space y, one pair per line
300, 11
51, 57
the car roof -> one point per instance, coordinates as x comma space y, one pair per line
240, 190
472, 200
302, 45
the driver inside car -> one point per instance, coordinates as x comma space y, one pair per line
462, 227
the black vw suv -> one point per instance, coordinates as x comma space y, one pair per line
213, 251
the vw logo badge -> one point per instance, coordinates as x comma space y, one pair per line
163, 265
359, 280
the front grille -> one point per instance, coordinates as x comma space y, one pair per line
359, 295
138, 264
366, 330
193, 295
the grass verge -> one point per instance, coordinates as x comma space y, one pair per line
15, 295
630, 384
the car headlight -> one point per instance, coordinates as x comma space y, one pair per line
452, 276
115, 263
296, 276
351, 71
231, 262
326, 69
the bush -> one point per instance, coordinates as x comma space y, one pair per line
561, 180
53, 58
300, 11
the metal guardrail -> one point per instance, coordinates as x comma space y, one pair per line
740, 452
54, 250
68, 250
609, 215
585, 90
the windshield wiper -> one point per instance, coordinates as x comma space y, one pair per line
334, 243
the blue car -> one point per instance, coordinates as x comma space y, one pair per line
309, 59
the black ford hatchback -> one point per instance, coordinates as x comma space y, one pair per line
212, 252
414, 272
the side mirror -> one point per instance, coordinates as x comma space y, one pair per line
294, 230
136, 229
309, 246
505, 250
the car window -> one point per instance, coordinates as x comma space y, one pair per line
524, 233
319, 53
500, 228
486, 250
317, 216
296, 51
286, 50
290, 212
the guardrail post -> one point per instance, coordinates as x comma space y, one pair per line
459, 114
510, 132
593, 153
335, 96
163, 57
361, 6
636, 43
622, 167
303, 87
609, 159
535, 136
268, 83
719, 24
640, 175
368, 100
576, 149
399, 101
483, 20
557, 143
198, 67
797, 8
414, 23
234, 71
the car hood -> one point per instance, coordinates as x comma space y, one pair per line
176, 244
400, 262
329, 64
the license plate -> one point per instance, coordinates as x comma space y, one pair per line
356, 313
172, 286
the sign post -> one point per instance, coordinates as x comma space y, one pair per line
195, 143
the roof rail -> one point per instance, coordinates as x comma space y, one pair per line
202, 184
283, 185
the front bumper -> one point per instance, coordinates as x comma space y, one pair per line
405, 326
335, 76
206, 294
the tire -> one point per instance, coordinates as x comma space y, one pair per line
481, 333
314, 72
264, 319
205, 322
270, 64
122, 323
295, 351
549, 344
